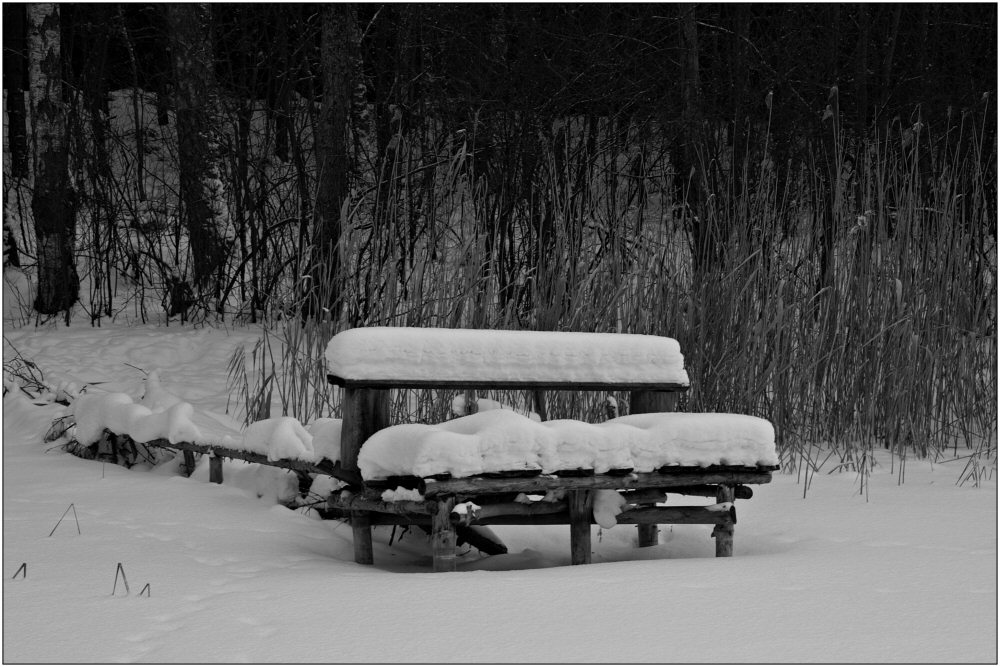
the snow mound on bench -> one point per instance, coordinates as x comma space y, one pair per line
408, 354
172, 419
502, 440
119, 414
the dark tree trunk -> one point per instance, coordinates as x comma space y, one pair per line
338, 54
196, 96
688, 170
15, 74
52, 201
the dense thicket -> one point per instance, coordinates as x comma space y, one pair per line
803, 194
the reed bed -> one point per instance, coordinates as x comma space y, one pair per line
851, 299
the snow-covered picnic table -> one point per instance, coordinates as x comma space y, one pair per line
501, 467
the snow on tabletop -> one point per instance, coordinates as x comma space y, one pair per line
415, 354
502, 440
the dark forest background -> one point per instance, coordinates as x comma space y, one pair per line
803, 194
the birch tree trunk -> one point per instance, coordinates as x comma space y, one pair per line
196, 98
52, 201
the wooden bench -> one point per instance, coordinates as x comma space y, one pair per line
401, 361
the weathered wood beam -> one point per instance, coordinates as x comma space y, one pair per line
706, 490
676, 514
544, 483
559, 515
519, 509
362, 504
324, 467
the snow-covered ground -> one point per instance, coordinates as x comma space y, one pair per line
907, 575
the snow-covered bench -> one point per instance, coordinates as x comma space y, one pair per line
500, 467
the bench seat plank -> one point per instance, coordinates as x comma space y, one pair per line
681, 478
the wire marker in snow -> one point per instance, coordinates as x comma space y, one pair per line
71, 507
145, 590
120, 571
23, 570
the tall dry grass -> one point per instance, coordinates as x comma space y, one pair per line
852, 301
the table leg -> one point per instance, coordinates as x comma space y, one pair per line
726, 493
443, 538
581, 509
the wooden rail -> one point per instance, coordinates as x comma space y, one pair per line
217, 453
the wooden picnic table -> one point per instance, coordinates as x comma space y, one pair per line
365, 411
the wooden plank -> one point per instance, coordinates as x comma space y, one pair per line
724, 532
706, 490
496, 385
675, 514
519, 509
559, 515
679, 514
542, 484
443, 537
360, 503
581, 515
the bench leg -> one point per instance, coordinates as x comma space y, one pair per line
648, 534
189, 463
724, 534
443, 538
581, 508
215, 469
361, 525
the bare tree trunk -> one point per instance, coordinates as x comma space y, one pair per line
686, 163
338, 53
53, 200
201, 189
15, 74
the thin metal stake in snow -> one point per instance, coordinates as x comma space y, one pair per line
23, 570
120, 571
75, 517
146, 591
